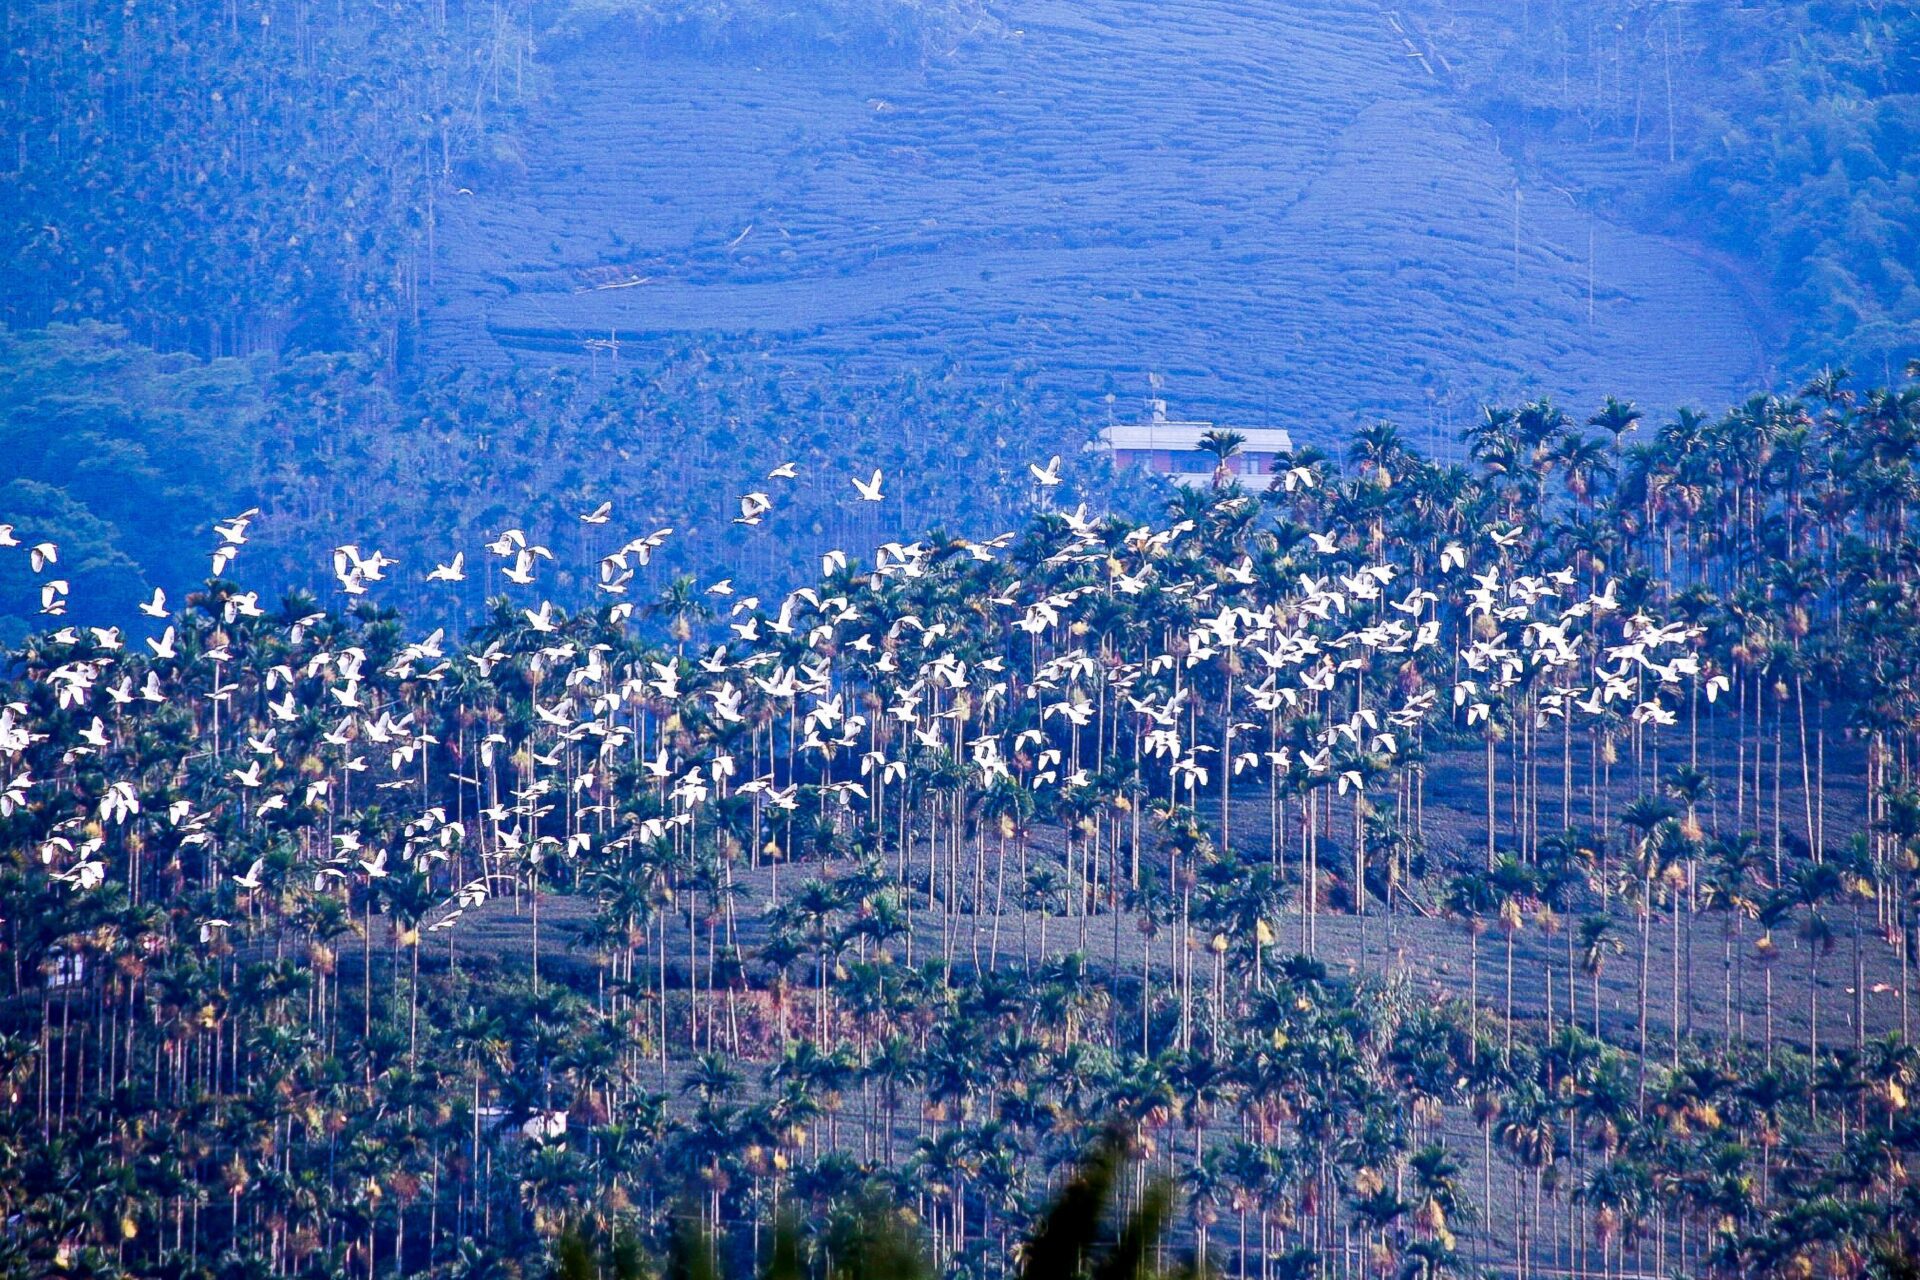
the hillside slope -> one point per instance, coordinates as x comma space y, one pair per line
1260, 203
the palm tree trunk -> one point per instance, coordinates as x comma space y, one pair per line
1646, 921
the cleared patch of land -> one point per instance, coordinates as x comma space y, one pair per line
1260, 202
1722, 978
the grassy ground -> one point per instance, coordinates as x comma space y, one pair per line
1432, 953
1721, 978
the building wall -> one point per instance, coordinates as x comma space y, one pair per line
1192, 462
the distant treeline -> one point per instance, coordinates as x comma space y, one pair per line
126, 457
244, 177
1786, 134
265, 175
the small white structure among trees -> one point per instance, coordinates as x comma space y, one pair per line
1191, 452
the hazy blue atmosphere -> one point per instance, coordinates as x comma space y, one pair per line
1215, 192
520, 251
959, 639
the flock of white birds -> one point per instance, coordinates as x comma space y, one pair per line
822, 698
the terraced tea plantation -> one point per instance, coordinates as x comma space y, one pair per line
1259, 202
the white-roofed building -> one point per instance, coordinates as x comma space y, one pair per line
1170, 447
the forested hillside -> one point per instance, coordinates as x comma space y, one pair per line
127, 458
531, 251
273, 175
1783, 133
572, 704
241, 177
1421, 870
